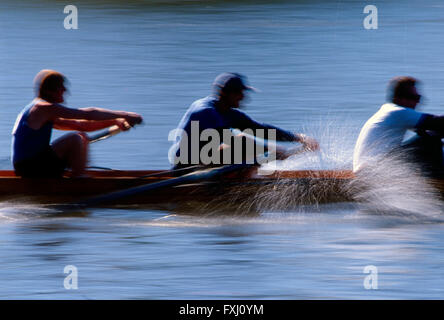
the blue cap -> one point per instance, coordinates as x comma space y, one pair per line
229, 82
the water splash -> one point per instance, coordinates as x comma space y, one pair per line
393, 187
336, 148
398, 188
11, 211
23, 209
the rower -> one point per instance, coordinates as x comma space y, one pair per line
32, 153
383, 134
219, 111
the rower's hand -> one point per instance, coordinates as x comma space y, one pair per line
309, 143
123, 124
133, 118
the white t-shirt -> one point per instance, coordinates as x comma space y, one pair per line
383, 132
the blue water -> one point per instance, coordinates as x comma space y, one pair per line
319, 72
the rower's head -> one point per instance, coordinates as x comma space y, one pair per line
50, 85
403, 92
229, 88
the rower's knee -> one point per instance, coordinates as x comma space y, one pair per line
71, 143
83, 137
79, 139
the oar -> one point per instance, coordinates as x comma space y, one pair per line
105, 134
188, 178
174, 172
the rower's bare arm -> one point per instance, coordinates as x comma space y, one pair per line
90, 125
94, 113
51, 112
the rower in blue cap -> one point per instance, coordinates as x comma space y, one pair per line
219, 111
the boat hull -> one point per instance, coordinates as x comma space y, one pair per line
240, 191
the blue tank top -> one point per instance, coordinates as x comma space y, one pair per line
27, 142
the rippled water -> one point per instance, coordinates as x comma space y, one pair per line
319, 72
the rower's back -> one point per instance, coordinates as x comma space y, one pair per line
26, 141
383, 132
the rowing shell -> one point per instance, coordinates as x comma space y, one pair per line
238, 192
242, 190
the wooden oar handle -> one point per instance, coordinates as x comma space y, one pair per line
114, 130
111, 131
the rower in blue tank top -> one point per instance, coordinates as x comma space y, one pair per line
33, 154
